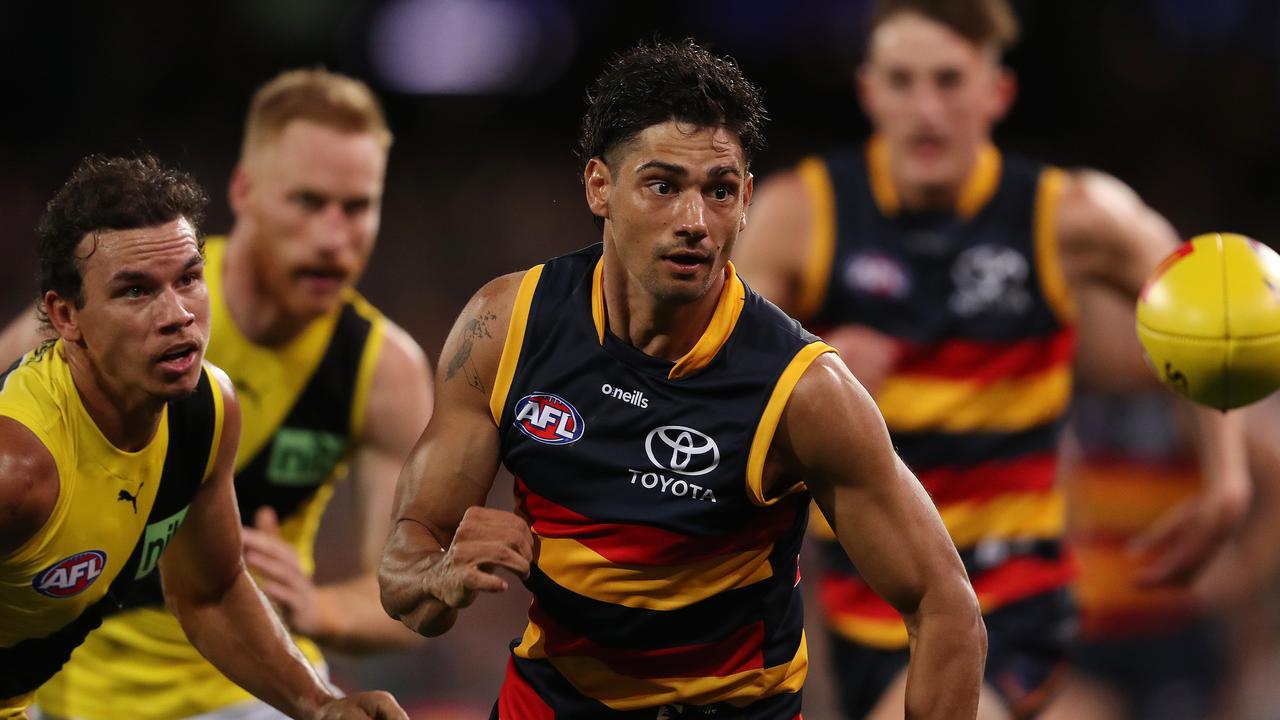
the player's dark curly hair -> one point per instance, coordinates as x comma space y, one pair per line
110, 193
662, 81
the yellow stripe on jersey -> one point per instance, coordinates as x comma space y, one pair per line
368, 360
882, 633
1053, 280
821, 243
1008, 516
770, 418
981, 183
578, 568
513, 343
723, 321
215, 387
913, 403
597, 300
593, 678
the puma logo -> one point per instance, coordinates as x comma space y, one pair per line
132, 498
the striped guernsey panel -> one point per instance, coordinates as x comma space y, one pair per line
980, 310
662, 576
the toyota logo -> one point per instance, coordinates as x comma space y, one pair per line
682, 450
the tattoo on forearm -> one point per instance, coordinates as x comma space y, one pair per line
476, 329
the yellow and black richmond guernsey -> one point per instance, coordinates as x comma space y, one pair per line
301, 407
115, 513
983, 321
662, 574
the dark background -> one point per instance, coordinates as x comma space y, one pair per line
1176, 97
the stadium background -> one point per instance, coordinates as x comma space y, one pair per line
1177, 97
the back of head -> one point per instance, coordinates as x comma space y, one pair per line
319, 96
111, 193
985, 23
660, 82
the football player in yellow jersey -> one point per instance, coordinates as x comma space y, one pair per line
325, 382
116, 450
920, 216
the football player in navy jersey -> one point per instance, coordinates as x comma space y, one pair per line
944, 271
660, 538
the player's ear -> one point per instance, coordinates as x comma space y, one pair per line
238, 188
748, 188
1006, 90
597, 180
63, 315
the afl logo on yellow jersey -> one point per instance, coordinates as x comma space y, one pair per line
70, 575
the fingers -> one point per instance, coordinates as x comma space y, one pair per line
487, 524
1182, 543
266, 521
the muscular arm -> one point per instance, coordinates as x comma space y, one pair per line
347, 615
832, 436
28, 485
447, 479
1108, 236
208, 589
774, 246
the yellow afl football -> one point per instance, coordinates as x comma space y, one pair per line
1209, 320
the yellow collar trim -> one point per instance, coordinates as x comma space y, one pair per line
977, 190
725, 318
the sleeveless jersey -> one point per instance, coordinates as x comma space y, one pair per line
301, 406
1130, 471
980, 310
115, 513
662, 573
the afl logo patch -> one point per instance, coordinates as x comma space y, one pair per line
549, 419
71, 575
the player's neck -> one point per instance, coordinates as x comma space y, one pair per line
128, 420
659, 329
257, 314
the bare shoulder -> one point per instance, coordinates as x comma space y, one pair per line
400, 353
829, 398
28, 485
222, 381
1093, 199
474, 346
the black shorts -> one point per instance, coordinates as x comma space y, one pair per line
1027, 648
1170, 676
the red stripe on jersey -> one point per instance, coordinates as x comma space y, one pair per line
634, 543
738, 652
1016, 579
985, 361
518, 701
1030, 473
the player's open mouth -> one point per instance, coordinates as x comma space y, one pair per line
927, 145
322, 278
687, 262
179, 358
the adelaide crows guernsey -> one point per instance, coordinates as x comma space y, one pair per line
115, 513
979, 307
663, 574
301, 408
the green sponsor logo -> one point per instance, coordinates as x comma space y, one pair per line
304, 457
156, 538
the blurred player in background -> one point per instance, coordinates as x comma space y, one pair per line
665, 426
117, 444
943, 270
1166, 652
325, 383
